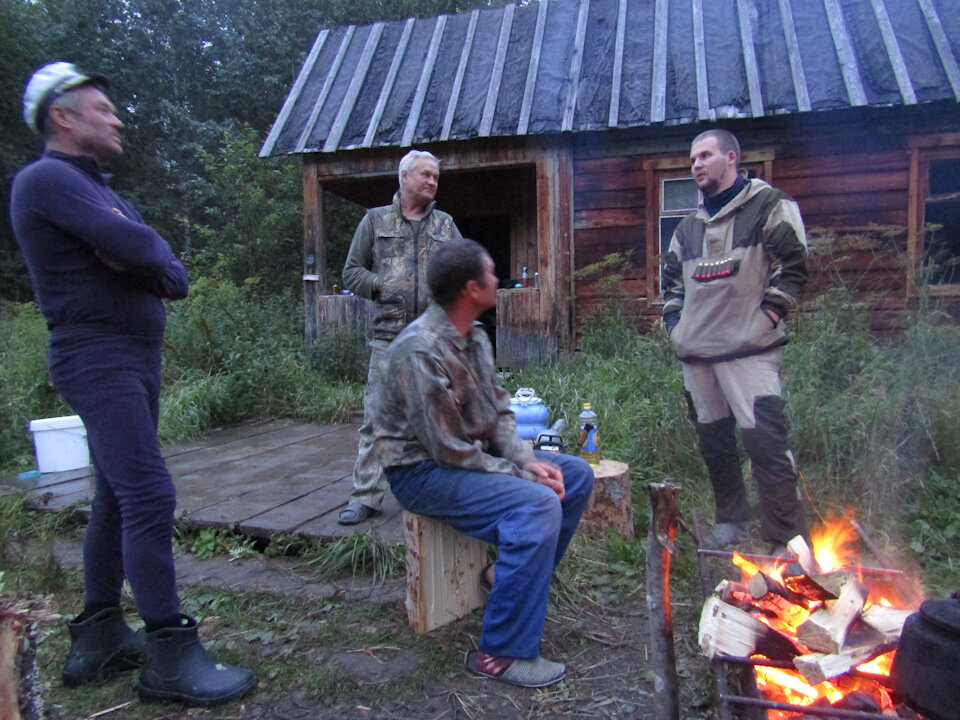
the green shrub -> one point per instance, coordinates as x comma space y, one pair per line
25, 391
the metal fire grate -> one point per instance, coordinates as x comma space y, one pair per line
754, 704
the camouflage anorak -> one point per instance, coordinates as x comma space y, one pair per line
388, 246
440, 401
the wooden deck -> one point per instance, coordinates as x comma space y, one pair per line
262, 478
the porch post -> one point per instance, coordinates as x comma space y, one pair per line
314, 250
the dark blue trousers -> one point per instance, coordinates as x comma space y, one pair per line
528, 523
113, 383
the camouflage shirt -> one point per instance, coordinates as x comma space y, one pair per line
440, 401
388, 246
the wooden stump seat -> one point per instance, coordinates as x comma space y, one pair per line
443, 572
609, 505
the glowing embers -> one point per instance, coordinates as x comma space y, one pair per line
820, 630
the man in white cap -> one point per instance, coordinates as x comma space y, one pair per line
101, 275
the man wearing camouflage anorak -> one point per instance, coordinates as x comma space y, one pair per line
387, 263
445, 434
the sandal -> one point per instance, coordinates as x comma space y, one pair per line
356, 512
535, 673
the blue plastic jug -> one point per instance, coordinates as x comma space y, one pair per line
532, 415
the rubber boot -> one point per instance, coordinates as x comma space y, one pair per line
718, 446
775, 471
100, 646
178, 669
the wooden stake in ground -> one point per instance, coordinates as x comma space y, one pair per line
664, 511
20, 684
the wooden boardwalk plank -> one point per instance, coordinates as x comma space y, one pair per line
264, 477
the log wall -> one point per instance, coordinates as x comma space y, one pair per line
850, 176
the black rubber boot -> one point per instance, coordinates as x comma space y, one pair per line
100, 646
718, 447
178, 669
781, 512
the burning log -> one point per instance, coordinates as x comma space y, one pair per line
726, 630
798, 546
761, 584
826, 630
820, 586
817, 667
885, 620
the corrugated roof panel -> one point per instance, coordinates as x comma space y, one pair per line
879, 80
726, 74
635, 89
430, 126
364, 109
550, 95
506, 115
773, 57
299, 114
593, 94
821, 66
394, 119
946, 38
317, 133
589, 64
476, 79
681, 95
930, 82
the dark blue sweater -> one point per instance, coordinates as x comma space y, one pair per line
93, 262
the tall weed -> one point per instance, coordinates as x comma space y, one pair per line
25, 391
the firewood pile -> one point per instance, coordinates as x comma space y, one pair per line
21, 689
820, 632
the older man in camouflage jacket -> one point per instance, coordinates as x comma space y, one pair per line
387, 263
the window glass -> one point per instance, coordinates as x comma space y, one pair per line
941, 218
679, 194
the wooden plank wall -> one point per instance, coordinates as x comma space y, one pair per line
845, 187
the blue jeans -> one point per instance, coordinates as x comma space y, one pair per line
113, 383
527, 522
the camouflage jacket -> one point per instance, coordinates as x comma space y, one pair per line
723, 274
389, 247
440, 401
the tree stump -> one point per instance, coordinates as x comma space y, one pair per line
443, 572
609, 505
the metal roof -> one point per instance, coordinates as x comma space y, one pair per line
579, 65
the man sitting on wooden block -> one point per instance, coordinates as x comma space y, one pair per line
445, 434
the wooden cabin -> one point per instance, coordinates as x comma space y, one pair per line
564, 129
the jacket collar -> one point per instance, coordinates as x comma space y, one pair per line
83, 162
396, 204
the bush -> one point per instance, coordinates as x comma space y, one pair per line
25, 391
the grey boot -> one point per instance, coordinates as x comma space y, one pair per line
102, 645
178, 669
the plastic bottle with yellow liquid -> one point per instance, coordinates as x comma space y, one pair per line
589, 439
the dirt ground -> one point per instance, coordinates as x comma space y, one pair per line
602, 637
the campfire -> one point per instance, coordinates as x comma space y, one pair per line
820, 629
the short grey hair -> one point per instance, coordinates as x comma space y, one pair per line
69, 100
410, 159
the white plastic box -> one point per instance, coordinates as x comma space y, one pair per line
61, 443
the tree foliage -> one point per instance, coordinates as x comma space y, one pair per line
198, 84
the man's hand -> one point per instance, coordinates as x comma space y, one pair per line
112, 264
547, 474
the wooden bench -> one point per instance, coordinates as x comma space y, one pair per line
443, 572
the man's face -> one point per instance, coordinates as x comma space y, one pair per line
712, 170
95, 127
419, 183
488, 284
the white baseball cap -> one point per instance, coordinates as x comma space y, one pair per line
50, 82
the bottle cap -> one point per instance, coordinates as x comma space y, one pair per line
587, 406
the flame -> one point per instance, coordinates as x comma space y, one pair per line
880, 665
834, 544
794, 688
